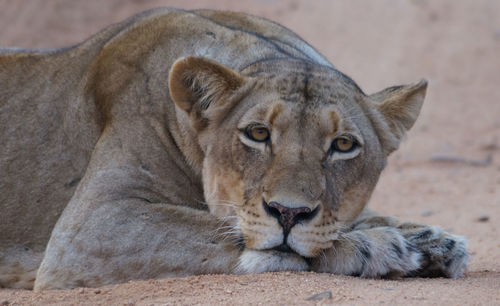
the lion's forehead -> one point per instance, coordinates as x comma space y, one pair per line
313, 90
302, 82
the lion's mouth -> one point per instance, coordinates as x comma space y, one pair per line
285, 248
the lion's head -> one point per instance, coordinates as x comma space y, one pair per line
290, 148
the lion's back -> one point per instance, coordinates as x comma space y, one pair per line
48, 126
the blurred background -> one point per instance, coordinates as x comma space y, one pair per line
448, 171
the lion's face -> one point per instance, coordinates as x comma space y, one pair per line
295, 161
294, 156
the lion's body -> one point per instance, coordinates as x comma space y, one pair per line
95, 126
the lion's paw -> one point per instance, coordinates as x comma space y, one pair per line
253, 261
376, 252
385, 252
444, 254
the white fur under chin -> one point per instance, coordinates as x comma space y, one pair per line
252, 261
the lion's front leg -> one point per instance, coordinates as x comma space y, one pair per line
375, 252
114, 242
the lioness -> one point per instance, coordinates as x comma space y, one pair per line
189, 142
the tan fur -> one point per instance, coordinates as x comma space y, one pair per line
125, 157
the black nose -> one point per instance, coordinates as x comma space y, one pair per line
288, 216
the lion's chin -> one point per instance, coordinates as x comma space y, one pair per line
255, 261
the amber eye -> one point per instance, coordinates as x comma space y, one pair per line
343, 144
257, 133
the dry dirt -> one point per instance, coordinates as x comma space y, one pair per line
446, 173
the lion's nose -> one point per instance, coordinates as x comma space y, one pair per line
288, 216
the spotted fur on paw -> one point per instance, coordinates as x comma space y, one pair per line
444, 254
375, 252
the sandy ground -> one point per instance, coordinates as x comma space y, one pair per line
446, 173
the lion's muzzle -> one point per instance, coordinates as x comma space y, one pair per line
288, 217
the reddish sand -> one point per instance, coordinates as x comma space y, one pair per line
446, 173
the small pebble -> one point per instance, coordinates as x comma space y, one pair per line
4, 303
483, 218
97, 291
320, 296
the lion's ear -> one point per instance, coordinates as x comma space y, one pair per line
400, 107
196, 83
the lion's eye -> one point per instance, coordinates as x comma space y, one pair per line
343, 145
257, 133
